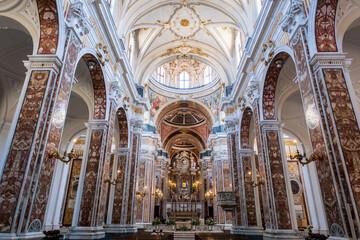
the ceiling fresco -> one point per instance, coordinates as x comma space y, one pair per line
161, 31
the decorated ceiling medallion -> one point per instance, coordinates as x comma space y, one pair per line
185, 22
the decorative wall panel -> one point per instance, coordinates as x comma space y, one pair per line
49, 25
325, 25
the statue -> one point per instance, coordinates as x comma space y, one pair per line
193, 162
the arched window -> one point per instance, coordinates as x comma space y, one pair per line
207, 75
161, 75
184, 80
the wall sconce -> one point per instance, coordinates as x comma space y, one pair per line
313, 157
279, 63
91, 64
158, 194
113, 182
253, 184
66, 158
141, 193
209, 195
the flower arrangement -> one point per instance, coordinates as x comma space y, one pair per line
156, 221
210, 222
170, 222
195, 222
309, 228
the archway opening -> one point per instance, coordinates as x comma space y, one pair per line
15, 46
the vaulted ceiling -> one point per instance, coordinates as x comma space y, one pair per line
159, 31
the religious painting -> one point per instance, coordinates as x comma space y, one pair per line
212, 102
156, 102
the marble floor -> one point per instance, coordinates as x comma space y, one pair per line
167, 236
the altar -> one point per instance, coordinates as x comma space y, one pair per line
183, 198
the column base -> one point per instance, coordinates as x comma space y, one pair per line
10, 236
242, 230
282, 234
121, 228
86, 233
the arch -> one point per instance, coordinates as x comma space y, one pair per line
199, 106
347, 18
49, 26
179, 133
324, 22
98, 82
245, 128
269, 86
123, 128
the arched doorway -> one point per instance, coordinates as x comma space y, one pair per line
184, 128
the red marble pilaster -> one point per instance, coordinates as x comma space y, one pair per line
118, 202
264, 190
92, 183
134, 158
19, 168
54, 128
251, 216
314, 119
237, 181
275, 168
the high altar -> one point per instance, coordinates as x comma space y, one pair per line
183, 197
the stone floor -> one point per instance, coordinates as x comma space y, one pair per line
167, 236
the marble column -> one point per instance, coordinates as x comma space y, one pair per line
333, 128
207, 183
263, 190
117, 194
128, 216
342, 134
282, 215
222, 171
144, 181
87, 220
232, 129
251, 215
22, 161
